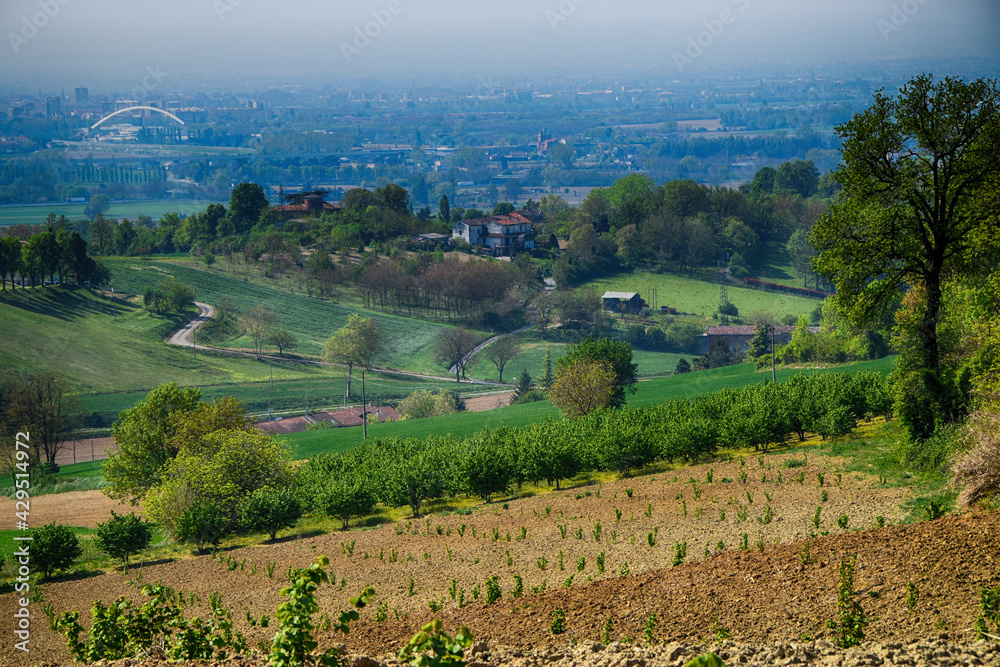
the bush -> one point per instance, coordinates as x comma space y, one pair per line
123, 535
423, 403
53, 547
201, 522
270, 510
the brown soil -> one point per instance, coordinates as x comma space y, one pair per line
761, 597
91, 449
491, 402
76, 508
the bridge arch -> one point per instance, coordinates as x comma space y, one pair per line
115, 113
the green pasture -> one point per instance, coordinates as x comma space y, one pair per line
312, 321
111, 363
532, 358
35, 214
701, 297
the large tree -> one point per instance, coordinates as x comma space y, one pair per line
358, 342
501, 351
151, 434
617, 354
920, 175
582, 386
246, 203
258, 322
451, 347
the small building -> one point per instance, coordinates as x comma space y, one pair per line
432, 240
311, 205
738, 337
504, 235
623, 302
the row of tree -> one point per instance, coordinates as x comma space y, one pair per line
56, 254
410, 472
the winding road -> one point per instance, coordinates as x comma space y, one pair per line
185, 337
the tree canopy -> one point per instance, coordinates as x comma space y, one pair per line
617, 354
920, 175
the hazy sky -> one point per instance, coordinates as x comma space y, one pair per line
65, 42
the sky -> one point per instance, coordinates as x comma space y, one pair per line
68, 42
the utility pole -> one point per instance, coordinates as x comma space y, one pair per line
772, 355
270, 383
364, 406
114, 303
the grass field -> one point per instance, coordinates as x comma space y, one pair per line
532, 358
310, 320
112, 363
35, 214
701, 297
650, 392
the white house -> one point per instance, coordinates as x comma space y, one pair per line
504, 235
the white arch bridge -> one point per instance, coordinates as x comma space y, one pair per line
136, 108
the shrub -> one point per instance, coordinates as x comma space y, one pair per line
201, 522
123, 629
123, 535
53, 547
270, 510
293, 643
437, 646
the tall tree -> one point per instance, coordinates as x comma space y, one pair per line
920, 175
358, 342
583, 385
451, 347
617, 354
10, 259
152, 433
100, 232
444, 210
502, 351
258, 322
246, 203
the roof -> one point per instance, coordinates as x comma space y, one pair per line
352, 416
514, 218
749, 330
620, 295
302, 208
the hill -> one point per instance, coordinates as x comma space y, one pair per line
693, 552
311, 320
112, 362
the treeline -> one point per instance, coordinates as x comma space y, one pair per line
448, 288
411, 472
56, 254
683, 226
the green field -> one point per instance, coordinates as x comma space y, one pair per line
35, 214
312, 321
701, 297
112, 363
532, 358
649, 392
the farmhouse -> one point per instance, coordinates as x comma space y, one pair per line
738, 337
627, 302
311, 205
504, 235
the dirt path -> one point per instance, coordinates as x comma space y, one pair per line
183, 335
